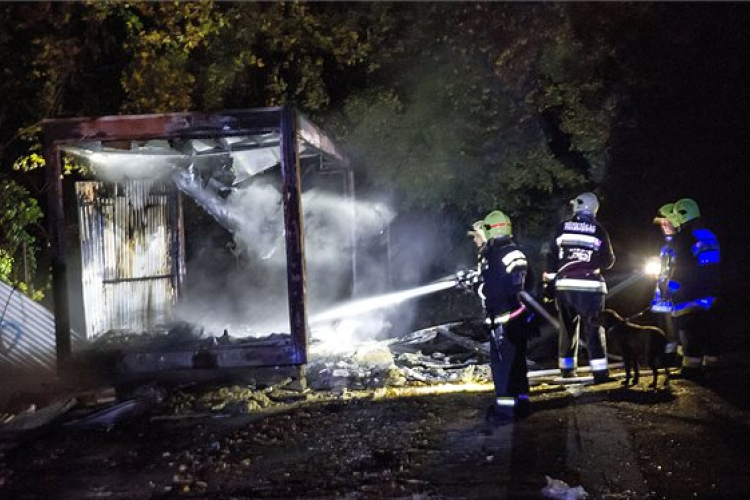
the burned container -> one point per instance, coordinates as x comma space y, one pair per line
190, 240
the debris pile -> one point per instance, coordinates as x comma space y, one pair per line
177, 335
446, 354
33, 418
435, 355
234, 399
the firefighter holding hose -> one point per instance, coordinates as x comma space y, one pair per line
503, 274
579, 250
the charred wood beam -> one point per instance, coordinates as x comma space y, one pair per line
295, 249
467, 343
171, 125
202, 359
177, 243
55, 222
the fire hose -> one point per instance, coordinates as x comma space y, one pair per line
467, 280
530, 301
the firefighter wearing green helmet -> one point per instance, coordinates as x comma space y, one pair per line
478, 234
693, 283
580, 249
661, 304
668, 223
504, 273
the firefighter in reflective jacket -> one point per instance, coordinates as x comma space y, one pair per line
579, 250
661, 305
694, 287
503, 270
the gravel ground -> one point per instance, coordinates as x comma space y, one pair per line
686, 441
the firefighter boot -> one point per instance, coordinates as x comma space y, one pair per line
522, 409
568, 373
691, 373
692, 368
508, 410
497, 416
710, 368
602, 377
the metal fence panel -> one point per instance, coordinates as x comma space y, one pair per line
129, 271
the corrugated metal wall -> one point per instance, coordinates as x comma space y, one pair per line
131, 259
27, 333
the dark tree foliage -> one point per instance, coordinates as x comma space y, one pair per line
460, 107
491, 105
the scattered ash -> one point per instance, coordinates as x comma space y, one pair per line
431, 357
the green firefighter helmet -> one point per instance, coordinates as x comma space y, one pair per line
477, 229
685, 210
666, 212
497, 224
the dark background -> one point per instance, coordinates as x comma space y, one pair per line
687, 136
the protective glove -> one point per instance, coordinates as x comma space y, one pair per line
548, 291
467, 280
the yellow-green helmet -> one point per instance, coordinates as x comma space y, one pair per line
667, 212
685, 210
477, 228
497, 224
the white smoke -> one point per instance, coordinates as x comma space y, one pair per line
243, 299
334, 225
258, 222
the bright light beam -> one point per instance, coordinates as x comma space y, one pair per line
625, 284
653, 267
370, 304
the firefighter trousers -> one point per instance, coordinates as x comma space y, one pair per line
508, 363
578, 313
699, 338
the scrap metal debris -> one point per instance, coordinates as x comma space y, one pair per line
109, 417
33, 418
175, 336
430, 356
451, 356
560, 490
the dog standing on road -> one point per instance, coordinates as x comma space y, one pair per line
637, 342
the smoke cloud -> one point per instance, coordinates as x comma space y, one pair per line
252, 299
236, 277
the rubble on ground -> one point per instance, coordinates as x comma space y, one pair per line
425, 357
177, 336
445, 354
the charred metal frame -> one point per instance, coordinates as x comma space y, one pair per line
285, 120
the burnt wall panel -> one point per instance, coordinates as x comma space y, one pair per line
130, 268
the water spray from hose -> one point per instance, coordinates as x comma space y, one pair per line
358, 307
